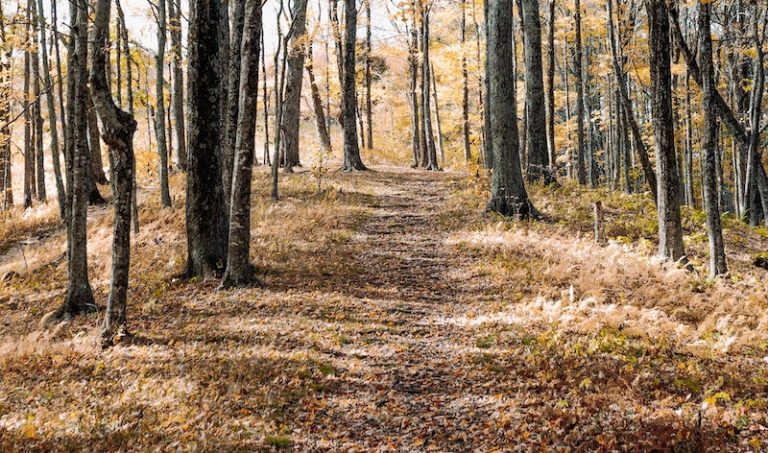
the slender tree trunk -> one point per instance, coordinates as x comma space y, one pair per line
6, 80
265, 100
206, 219
437, 116
119, 127
79, 298
352, 161
717, 262
426, 82
551, 86
488, 157
29, 162
413, 61
232, 111
162, 147
581, 171
368, 78
239, 271
508, 194
536, 117
291, 120
178, 85
626, 103
37, 111
55, 150
670, 226
465, 83
317, 104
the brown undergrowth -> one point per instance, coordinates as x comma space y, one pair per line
396, 316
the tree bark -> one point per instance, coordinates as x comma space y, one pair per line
352, 161
79, 298
368, 76
536, 117
317, 104
37, 112
413, 64
551, 87
178, 85
508, 194
205, 215
118, 130
465, 83
717, 261
239, 271
426, 81
162, 146
291, 120
55, 149
233, 98
670, 226
578, 56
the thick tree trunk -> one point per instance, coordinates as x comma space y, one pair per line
717, 261
162, 147
79, 298
205, 215
118, 130
668, 202
291, 121
352, 161
239, 271
536, 117
508, 194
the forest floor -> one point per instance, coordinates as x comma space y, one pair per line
395, 316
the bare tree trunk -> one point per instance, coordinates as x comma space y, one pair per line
717, 261
368, 79
536, 116
79, 297
119, 127
206, 219
55, 150
6, 189
265, 100
465, 83
29, 162
232, 112
626, 103
437, 117
670, 226
291, 120
426, 82
317, 104
239, 270
581, 172
178, 85
352, 161
37, 110
508, 194
551, 86
162, 147
413, 65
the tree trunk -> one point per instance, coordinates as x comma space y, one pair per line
426, 82
536, 117
437, 116
413, 63
508, 194
37, 110
465, 83
551, 87
368, 78
79, 298
670, 226
232, 112
29, 161
352, 161
119, 127
317, 104
291, 120
581, 171
162, 147
239, 271
178, 85
205, 215
626, 103
6, 189
717, 261
55, 150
